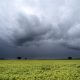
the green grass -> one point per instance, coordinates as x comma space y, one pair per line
39, 69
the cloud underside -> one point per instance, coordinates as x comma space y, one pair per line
32, 23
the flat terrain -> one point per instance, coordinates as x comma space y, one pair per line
39, 69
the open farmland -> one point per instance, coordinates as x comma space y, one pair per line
39, 69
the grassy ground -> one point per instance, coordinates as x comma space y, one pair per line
39, 69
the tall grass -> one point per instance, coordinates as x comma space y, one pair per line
39, 69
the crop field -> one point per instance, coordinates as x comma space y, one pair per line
39, 69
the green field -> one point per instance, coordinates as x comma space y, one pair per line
39, 69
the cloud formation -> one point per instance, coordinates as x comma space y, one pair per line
28, 23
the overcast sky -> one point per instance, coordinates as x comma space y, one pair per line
40, 29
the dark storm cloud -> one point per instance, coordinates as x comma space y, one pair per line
32, 24
33, 30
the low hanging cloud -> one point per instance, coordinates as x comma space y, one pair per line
28, 22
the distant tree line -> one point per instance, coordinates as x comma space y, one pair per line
20, 58
69, 58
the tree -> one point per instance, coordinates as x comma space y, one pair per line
70, 58
19, 58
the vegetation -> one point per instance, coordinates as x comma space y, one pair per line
69, 57
39, 69
19, 57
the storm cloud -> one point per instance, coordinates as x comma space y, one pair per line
33, 24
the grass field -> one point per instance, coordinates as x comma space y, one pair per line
39, 69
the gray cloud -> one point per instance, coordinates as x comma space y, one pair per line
37, 23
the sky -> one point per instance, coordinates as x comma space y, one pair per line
40, 29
